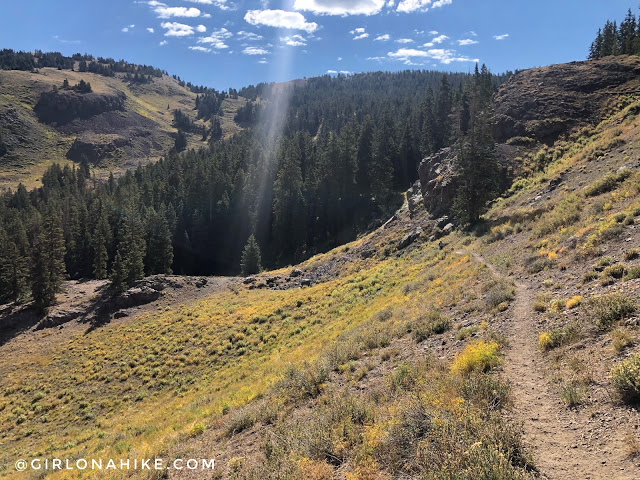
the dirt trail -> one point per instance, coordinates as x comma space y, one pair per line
560, 439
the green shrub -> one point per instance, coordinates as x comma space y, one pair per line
499, 291
632, 254
566, 213
431, 324
607, 183
558, 337
625, 378
589, 276
615, 271
573, 393
634, 272
607, 309
539, 264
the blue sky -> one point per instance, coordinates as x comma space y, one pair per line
231, 43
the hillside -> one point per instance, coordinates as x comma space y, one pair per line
138, 130
416, 351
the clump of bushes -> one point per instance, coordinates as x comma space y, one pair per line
566, 213
539, 263
632, 254
625, 378
556, 338
477, 357
573, 302
607, 309
433, 323
499, 291
616, 270
607, 183
634, 272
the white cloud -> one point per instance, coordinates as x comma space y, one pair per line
263, 61
201, 29
168, 12
199, 48
404, 40
340, 7
150, 30
218, 3
408, 6
332, 72
163, 42
280, 19
440, 39
294, 40
382, 38
434, 32
361, 36
175, 29
339, 59
248, 36
127, 28
501, 37
442, 55
467, 41
357, 30
255, 51
217, 38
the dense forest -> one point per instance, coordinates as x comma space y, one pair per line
614, 39
299, 180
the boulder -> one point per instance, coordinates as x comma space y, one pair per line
136, 296
305, 282
59, 317
295, 273
249, 280
409, 238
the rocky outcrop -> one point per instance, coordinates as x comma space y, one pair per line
545, 103
96, 148
437, 181
63, 106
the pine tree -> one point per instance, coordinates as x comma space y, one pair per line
288, 201
477, 170
119, 273
14, 265
159, 245
128, 265
251, 260
442, 134
384, 152
48, 262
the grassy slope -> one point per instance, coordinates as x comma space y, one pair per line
42, 145
153, 384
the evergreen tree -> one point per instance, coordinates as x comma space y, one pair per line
14, 265
288, 201
476, 166
180, 143
251, 260
381, 165
159, 246
129, 262
48, 267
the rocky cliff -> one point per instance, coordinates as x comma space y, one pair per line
535, 108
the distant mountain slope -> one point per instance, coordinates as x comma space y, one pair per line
137, 128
